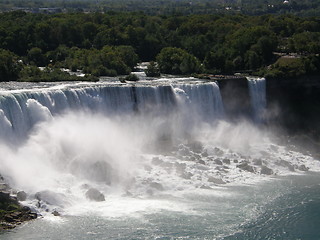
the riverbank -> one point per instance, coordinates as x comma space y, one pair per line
12, 212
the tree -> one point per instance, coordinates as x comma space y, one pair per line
152, 70
9, 66
177, 61
35, 56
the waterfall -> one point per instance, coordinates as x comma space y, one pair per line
133, 142
203, 100
20, 110
257, 91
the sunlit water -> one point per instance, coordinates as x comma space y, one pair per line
165, 157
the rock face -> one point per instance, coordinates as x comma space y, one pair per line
235, 96
295, 103
95, 195
12, 213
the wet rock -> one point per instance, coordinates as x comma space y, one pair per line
218, 162
202, 162
226, 161
246, 167
216, 180
218, 152
95, 195
21, 196
56, 213
205, 187
284, 163
266, 171
156, 186
303, 168
12, 213
50, 197
204, 154
235, 161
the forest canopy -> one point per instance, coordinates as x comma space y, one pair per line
113, 43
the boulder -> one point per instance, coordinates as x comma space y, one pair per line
56, 213
216, 180
204, 154
218, 162
50, 197
226, 161
202, 162
246, 167
21, 196
266, 171
285, 163
303, 168
95, 195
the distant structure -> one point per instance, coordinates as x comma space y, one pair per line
39, 10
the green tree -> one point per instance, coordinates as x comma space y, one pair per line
177, 61
35, 56
9, 66
152, 70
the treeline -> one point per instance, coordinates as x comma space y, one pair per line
165, 7
113, 43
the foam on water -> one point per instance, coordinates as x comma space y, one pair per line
146, 148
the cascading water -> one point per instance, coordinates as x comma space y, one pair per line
257, 90
161, 153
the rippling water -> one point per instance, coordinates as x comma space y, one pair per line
282, 208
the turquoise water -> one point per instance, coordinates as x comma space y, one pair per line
295, 215
285, 208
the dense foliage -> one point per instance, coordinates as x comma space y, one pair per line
113, 43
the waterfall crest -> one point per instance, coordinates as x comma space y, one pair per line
21, 110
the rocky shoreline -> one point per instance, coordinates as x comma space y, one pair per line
12, 212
